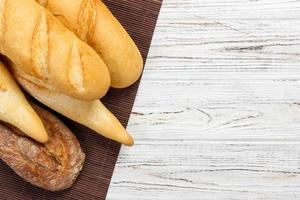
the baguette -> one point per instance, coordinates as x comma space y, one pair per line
15, 110
48, 54
53, 165
92, 21
92, 114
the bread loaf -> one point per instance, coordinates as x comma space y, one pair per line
92, 114
15, 110
92, 21
54, 165
48, 54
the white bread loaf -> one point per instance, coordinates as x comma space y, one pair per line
15, 109
92, 21
48, 54
92, 114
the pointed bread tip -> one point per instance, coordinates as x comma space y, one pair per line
43, 138
36, 132
129, 142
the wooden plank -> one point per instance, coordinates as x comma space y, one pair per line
217, 114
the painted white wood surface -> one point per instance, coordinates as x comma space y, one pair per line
217, 115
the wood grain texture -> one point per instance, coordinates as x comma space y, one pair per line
217, 114
101, 153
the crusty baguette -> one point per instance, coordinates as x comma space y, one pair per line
53, 165
15, 110
92, 21
92, 114
47, 53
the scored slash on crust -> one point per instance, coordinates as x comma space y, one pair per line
75, 73
2, 22
40, 60
87, 20
40, 46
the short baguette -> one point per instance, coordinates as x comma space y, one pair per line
53, 165
92, 21
15, 109
48, 54
92, 114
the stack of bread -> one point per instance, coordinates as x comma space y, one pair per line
66, 54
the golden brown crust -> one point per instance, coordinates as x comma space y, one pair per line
92, 21
40, 48
93, 114
38, 44
2, 22
15, 109
54, 165
86, 20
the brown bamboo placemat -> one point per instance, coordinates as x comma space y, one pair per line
139, 19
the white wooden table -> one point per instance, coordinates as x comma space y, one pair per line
218, 112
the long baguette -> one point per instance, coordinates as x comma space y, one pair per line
48, 54
15, 109
92, 21
92, 114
